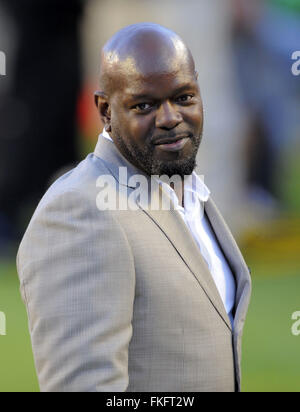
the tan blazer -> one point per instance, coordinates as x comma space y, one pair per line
123, 300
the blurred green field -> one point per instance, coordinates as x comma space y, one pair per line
271, 360
16, 360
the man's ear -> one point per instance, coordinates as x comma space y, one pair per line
103, 107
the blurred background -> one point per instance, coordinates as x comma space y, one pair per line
250, 155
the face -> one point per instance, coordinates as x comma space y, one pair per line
156, 120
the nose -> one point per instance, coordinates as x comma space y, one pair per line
167, 117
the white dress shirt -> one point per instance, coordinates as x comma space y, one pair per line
196, 194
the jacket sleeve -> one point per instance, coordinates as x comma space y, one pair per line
78, 281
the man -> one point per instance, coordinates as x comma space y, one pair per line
136, 298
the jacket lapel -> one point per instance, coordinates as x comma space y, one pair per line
235, 260
175, 229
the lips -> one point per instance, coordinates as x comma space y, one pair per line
173, 145
169, 140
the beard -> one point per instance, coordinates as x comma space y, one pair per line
144, 158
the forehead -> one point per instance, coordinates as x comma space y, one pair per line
157, 82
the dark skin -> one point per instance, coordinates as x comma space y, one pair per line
149, 92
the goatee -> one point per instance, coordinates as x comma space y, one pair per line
143, 158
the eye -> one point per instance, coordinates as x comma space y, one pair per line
185, 98
142, 107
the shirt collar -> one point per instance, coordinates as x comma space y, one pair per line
195, 191
106, 135
193, 183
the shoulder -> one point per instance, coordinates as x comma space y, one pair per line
76, 188
71, 202
81, 180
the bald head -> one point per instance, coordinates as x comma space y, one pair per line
144, 48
